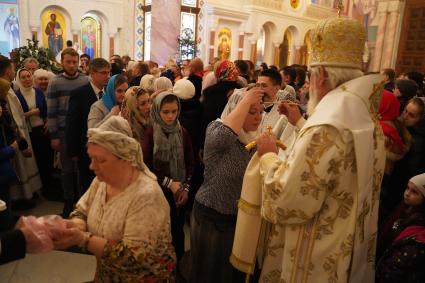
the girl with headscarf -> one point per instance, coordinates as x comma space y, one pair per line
397, 139
34, 106
217, 95
136, 109
123, 218
401, 244
167, 150
110, 103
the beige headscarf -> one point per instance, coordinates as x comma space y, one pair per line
115, 136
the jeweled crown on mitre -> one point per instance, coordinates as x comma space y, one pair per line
338, 42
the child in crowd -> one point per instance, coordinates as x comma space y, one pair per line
167, 151
401, 243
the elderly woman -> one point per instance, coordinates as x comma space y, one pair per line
110, 103
136, 110
41, 80
123, 218
214, 212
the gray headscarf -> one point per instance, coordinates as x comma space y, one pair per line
115, 136
168, 140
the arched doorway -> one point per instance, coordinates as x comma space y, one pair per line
305, 50
285, 50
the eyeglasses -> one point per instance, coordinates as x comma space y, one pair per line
103, 72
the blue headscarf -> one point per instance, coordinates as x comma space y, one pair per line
109, 97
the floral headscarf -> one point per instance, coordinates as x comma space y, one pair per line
131, 113
226, 72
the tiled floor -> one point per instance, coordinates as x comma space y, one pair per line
56, 266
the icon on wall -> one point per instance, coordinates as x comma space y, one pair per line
225, 43
10, 34
54, 34
295, 3
90, 36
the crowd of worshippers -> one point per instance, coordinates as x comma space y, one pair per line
142, 149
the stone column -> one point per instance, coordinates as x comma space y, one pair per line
75, 36
276, 54
240, 47
389, 40
164, 31
211, 47
253, 56
111, 45
298, 55
376, 66
34, 34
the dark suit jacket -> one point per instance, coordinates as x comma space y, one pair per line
79, 105
13, 246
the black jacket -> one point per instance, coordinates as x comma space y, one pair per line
79, 105
13, 246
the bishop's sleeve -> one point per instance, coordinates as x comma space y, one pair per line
294, 190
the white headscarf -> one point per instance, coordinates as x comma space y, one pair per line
419, 182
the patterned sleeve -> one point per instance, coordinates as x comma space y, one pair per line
310, 173
145, 249
52, 109
218, 137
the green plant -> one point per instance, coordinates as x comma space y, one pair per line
43, 55
187, 45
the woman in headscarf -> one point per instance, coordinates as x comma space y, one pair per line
147, 83
413, 163
167, 150
397, 143
213, 220
217, 95
397, 139
34, 106
110, 103
136, 110
161, 84
123, 218
41, 80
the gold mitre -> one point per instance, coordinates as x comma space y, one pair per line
338, 42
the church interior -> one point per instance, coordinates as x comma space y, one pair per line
143, 41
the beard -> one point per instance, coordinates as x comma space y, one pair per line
74, 72
312, 101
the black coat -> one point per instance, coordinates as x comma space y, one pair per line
79, 105
13, 246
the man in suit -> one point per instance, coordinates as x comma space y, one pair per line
80, 102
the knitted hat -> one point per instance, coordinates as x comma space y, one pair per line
184, 89
419, 182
